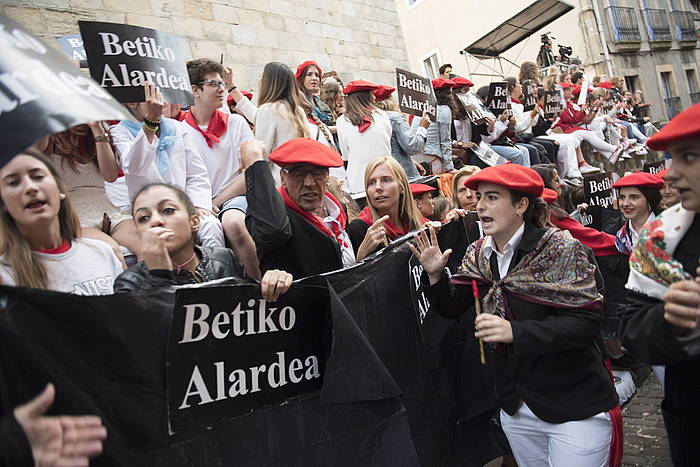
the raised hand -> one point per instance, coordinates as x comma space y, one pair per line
154, 250
375, 236
154, 101
427, 250
275, 283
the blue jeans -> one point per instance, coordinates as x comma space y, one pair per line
514, 154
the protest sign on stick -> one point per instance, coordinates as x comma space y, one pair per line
42, 92
122, 57
72, 45
415, 94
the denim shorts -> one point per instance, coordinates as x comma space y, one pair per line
239, 202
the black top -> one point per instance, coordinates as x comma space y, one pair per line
283, 238
215, 263
651, 338
15, 450
553, 364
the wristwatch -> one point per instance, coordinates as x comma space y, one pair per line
232, 88
103, 138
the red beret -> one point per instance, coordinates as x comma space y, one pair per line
420, 188
440, 83
663, 173
459, 82
549, 196
605, 84
230, 101
383, 92
566, 85
644, 179
359, 85
247, 94
301, 68
305, 150
685, 125
513, 176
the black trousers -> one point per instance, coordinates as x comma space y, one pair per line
550, 147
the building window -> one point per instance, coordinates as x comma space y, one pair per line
671, 101
692, 86
631, 83
431, 65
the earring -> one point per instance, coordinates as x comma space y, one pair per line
520, 214
62, 195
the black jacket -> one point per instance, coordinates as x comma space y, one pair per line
15, 450
553, 364
215, 263
283, 238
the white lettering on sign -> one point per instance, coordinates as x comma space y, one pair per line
142, 47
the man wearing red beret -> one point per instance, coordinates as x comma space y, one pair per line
661, 324
299, 228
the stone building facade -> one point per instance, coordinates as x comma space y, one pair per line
356, 38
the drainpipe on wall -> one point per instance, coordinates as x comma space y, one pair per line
601, 33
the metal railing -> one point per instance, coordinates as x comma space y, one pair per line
684, 25
623, 24
673, 106
657, 23
695, 97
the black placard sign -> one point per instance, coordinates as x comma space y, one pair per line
498, 99
654, 167
597, 191
122, 57
421, 305
529, 96
416, 94
230, 351
72, 45
42, 92
552, 103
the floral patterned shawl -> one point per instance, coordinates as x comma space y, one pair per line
557, 272
652, 267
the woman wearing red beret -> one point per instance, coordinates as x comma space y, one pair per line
541, 317
391, 211
364, 132
639, 199
662, 316
308, 77
439, 133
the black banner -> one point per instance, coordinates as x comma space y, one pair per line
122, 57
415, 94
552, 103
498, 99
529, 96
654, 167
72, 45
230, 352
597, 191
42, 92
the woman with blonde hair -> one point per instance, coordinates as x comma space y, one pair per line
391, 211
529, 70
463, 197
332, 95
39, 230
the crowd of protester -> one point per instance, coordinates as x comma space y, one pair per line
312, 175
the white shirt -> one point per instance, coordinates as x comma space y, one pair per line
503, 258
361, 148
186, 169
634, 235
89, 267
223, 159
331, 221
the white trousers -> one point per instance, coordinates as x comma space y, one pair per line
598, 144
567, 162
211, 232
535, 443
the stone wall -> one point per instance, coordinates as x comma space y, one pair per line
357, 38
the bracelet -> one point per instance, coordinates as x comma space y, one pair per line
151, 128
103, 138
232, 88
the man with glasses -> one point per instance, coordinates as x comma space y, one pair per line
218, 137
299, 228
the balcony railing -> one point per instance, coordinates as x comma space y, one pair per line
695, 97
623, 24
684, 25
673, 106
657, 23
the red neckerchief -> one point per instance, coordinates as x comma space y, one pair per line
315, 220
517, 101
311, 120
62, 248
217, 126
392, 231
366, 123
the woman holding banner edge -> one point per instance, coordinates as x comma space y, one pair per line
542, 312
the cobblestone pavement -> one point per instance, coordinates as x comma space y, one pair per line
645, 435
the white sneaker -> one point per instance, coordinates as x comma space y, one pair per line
616, 153
625, 156
586, 168
575, 181
641, 151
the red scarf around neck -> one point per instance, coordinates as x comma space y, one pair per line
392, 231
517, 101
366, 123
316, 221
218, 124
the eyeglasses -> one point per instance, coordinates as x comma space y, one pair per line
299, 175
215, 83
